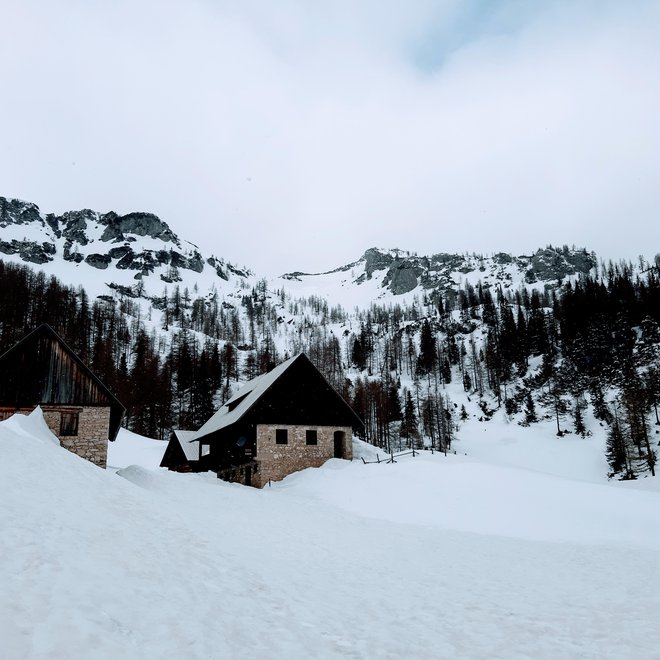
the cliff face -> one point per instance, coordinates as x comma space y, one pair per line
400, 272
139, 242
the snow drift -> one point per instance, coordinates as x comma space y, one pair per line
430, 557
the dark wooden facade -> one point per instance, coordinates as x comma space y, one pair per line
42, 370
229, 448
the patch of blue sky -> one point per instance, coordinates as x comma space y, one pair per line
470, 22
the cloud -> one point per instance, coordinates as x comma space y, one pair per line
294, 135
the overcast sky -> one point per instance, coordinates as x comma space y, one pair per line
292, 135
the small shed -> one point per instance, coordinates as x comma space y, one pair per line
182, 452
42, 370
284, 421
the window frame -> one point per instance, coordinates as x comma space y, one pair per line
71, 427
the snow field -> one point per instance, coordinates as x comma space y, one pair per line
433, 557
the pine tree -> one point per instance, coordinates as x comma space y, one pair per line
409, 425
427, 349
530, 409
580, 428
616, 452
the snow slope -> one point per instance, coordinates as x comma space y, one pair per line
130, 448
432, 557
501, 441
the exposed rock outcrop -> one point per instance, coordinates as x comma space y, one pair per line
128, 242
18, 212
443, 272
138, 224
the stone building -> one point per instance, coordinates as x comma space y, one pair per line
41, 370
284, 421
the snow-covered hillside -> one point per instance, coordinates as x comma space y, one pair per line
432, 557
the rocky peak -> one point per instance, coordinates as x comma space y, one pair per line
555, 264
138, 224
132, 246
18, 212
375, 259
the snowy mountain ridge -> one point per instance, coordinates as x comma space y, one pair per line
125, 248
398, 272
138, 254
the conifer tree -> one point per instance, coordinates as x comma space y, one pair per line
409, 425
530, 409
464, 414
616, 452
427, 349
580, 428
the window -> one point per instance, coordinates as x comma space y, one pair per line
69, 423
311, 437
206, 450
281, 437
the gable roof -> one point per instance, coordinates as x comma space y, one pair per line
252, 392
189, 446
180, 451
243, 400
25, 388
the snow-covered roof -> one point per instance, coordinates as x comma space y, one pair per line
188, 444
243, 400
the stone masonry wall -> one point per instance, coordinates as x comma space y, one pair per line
277, 461
91, 443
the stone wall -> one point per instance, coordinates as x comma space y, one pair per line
91, 443
277, 461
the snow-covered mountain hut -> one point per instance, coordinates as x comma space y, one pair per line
284, 421
42, 370
182, 452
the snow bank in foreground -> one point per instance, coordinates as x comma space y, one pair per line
31, 426
152, 564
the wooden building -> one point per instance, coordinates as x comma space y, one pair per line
41, 370
182, 452
284, 421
